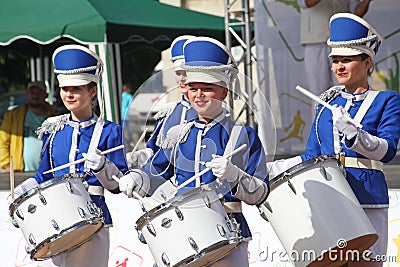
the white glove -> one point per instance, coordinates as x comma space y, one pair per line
279, 166
224, 169
22, 188
94, 160
138, 158
341, 121
137, 181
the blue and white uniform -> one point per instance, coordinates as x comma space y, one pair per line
188, 147
64, 141
377, 141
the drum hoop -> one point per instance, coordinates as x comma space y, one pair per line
231, 241
281, 178
68, 230
156, 211
41, 186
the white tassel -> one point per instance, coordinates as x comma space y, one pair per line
166, 111
177, 134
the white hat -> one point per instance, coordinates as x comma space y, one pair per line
177, 57
76, 65
351, 35
207, 60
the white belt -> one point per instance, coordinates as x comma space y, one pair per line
363, 163
233, 207
96, 190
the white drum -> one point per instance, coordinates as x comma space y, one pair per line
191, 229
56, 216
316, 215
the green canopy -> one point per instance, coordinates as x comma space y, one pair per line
98, 21
36, 28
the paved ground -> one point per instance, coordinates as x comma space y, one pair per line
392, 172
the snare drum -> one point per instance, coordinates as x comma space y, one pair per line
56, 216
316, 215
191, 229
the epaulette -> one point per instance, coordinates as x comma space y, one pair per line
329, 95
52, 125
176, 134
166, 111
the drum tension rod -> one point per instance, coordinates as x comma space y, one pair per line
289, 183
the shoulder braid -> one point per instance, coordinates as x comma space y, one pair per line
166, 111
52, 125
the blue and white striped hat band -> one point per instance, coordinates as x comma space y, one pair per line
351, 35
177, 57
76, 65
207, 60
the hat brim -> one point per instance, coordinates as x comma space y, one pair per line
345, 51
199, 77
75, 79
178, 64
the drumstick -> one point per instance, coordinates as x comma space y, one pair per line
139, 140
322, 102
82, 159
12, 178
207, 169
136, 195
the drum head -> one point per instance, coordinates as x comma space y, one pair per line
66, 240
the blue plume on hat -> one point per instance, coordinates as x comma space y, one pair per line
76, 65
177, 51
351, 35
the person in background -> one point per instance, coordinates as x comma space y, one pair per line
76, 135
191, 147
314, 32
126, 99
174, 113
363, 150
17, 131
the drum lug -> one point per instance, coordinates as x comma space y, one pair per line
179, 213
20, 214
323, 172
15, 223
193, 244
32, 239
55, 225
69, 187
81, 212
268, 206
27, 248
42, 199
221, 230
232, 225
163, 195
143, 207
207, 201
291, 187
151, 229
31, 208
165, 259
140, 236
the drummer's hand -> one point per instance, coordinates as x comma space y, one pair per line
134, 181
22, 188
224, 169
341, 121
94, 160
138, 158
